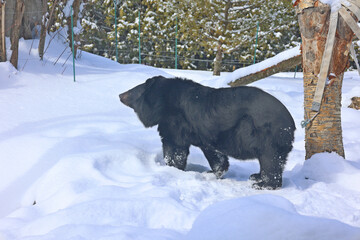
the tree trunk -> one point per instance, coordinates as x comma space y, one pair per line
43, 30
217, 63
15, 33
76, 10
219, 54
45, 27
2, 32
324, 133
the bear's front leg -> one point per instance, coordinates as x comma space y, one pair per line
219, 162
175, 156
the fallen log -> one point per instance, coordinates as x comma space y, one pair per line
279, 63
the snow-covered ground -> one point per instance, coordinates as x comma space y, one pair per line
77, 164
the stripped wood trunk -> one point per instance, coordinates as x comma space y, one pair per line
15, 33
324, 133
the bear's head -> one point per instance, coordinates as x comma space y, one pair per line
146, 100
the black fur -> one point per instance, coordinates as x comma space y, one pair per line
242, 122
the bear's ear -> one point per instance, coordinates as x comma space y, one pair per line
151, 107
153, 80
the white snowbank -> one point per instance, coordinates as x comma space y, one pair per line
265, 217
331, 169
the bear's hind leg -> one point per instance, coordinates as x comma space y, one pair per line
271, 170
175, 156
219, 162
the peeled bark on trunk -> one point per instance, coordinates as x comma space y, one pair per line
15, 33
324, 133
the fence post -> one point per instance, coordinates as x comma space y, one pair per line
72, 40
176, 35
256, 43
116, 39
139, 39
296, 69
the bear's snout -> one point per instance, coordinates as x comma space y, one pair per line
130, 97
124, 98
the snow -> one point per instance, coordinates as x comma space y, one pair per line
335, 4
77, 164
238, 217
67, 8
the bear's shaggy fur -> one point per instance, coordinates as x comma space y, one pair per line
242, 122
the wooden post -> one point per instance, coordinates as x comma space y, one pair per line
324, 133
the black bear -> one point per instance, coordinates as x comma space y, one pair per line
241, 122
